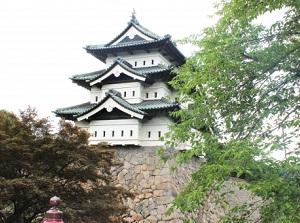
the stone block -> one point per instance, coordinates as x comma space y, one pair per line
153, 212
167, 185
165, 171
151, 167
126, 165
147, 186
148, 195
164, 200
137, 217
128, 219
170, 192
144, 167
161, 209
141, 196
152, 219
157, 180
156, 172
158, 193
150, 160
130, 203
172, 216
137, 168
152, 206
139, 177
151, 180
167, 178
138, 209
128, 176
143, 182
145, 212
146, 175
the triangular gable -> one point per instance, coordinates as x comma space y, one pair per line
109, 104
116, 69
132, 31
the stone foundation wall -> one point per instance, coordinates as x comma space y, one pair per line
154, 186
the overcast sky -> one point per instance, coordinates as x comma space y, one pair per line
41, 43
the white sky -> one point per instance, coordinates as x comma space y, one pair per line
41, 43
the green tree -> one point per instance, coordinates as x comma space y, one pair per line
36, 164
241, 90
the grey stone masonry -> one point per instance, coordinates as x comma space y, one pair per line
154, 186
152, 182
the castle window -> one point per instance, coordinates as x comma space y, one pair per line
147, 95
124, 94
144, 62
155, 94
103, 133
152, 61
159, 134
135, 63
95, 133
131, 132
96, 98
133, 93
149, 134
113, 133
122, 133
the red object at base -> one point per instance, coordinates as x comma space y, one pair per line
54, 215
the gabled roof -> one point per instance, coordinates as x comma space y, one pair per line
142, 73
134, 23
140, 109
125, 65
88, 109
147, 41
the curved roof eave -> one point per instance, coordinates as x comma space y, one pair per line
101, 52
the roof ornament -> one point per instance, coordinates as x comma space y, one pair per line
133, 17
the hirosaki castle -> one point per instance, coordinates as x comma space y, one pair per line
131, 99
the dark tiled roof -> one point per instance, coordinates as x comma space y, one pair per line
140, 108
155, 104
129, 44
76, 109
87, 76
152, 69
141, 71
101, 52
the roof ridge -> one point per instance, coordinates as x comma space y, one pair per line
135, 23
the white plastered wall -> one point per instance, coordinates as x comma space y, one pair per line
153, 129
115, 132
131, 92
157, 91
138, 58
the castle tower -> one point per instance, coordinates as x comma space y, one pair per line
129, 105
130, 100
